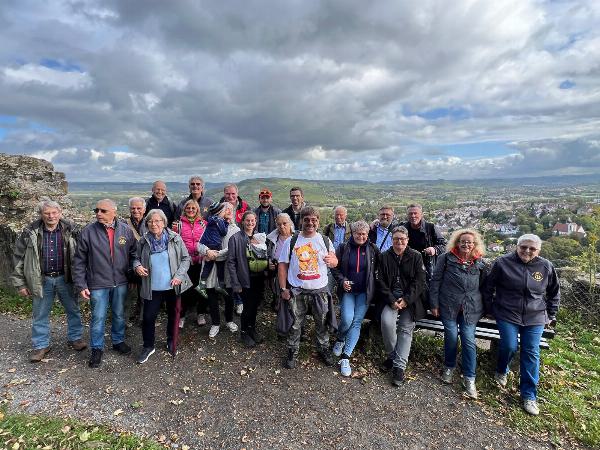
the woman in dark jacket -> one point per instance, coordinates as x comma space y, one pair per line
355, 277
250, 285
455, 297
523, 292
401, 283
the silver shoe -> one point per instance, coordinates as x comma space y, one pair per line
531, 407
501, 378
470, 388
447, 375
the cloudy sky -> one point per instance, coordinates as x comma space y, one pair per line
413, 89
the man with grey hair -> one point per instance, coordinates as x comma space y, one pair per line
135, 221
338, 231
196, 185
103, 261
159, 200
43, 259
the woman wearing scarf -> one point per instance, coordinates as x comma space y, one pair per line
455, 297
191, 229
162, 261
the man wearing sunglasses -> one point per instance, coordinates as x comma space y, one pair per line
102, 263
196, 185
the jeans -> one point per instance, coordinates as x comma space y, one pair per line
397, 330
467, 341
40, 327
529, 357
99, 301
352, 312
151, 310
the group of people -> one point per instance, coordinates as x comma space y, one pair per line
199, 253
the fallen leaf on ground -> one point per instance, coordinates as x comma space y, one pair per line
118, 412
12, 370
84, 436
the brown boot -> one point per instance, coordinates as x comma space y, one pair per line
78, 345
38, 355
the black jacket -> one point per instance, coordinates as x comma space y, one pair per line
165, 205
409, 273
522, 293
295, 217
433, 237
340, 272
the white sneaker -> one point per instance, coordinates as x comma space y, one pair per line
239, 308
338, 347
181, 322
470, 388
447, 375
232, 326
345, 368
214, 330
531, 407
501, 378
201, 320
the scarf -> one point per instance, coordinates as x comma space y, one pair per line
466, 262
158, 245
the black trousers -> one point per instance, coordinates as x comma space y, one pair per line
151, 310
251, 298
191, 297
215, 312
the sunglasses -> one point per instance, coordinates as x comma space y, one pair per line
195, 184
103, 211
525, 248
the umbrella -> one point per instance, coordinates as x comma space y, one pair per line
173, 349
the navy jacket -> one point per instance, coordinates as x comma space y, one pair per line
340, 272
93, 267
522, 293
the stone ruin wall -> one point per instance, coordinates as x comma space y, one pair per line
24, 181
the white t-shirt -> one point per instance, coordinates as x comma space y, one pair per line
307, 269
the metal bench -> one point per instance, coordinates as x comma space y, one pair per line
486, 329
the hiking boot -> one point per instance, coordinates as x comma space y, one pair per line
338, 347
531, 407
78, 344
247, 340
38, 354
386, 365
231, 326
145, 354
501, 379
470, 389
122, 348
201, 320
255, 336
447, 375
326, 356
397, 376
214, 330
239, 308
95, 358
345, 369
290, 361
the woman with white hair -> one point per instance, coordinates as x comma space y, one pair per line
523, 292
162, 261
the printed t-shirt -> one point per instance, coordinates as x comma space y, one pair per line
307, 269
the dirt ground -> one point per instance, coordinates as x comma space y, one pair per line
217, 394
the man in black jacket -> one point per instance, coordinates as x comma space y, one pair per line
297, 199
424, 237
159, 200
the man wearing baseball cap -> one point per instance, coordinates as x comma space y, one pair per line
266, 213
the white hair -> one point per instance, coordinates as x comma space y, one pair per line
136, 200
154, 212
530, 237
47, 203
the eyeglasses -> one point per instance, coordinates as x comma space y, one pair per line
195, 184
525, 248
154, 221
191, 207
103, 211
400, 239
310, 220
466, 242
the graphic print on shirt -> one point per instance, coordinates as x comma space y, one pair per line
308, 262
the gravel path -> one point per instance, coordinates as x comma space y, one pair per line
216, 394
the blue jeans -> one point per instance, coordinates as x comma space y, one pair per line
99, 301
40, 327
353, 308
529, 357
467, 341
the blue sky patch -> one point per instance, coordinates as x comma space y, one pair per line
62, 66
567, 84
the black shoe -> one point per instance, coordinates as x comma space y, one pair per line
122, 348
247, 340
145, 354
386, 365
326, 356
397, 376
95, 358
255, 336
290, 361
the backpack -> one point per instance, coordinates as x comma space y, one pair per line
257, 261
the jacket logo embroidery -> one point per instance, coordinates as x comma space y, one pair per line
122, 240
537, 276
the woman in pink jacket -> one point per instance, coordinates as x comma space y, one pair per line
191, 227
